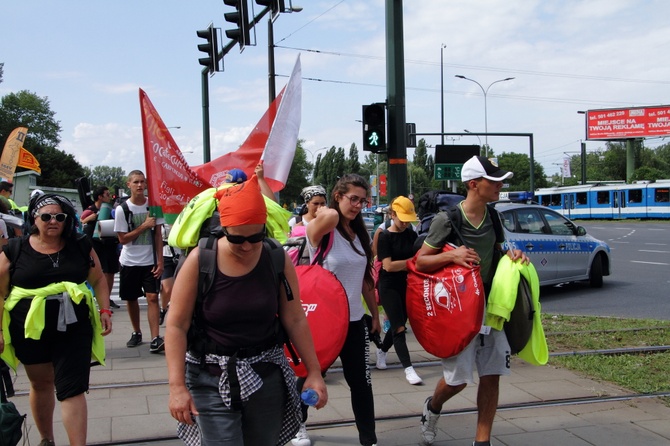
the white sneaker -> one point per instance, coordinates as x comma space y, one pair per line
412, 377
381, 359
428, 424
301, 438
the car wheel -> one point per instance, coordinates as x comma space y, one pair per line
596, 274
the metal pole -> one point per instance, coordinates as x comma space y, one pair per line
271, 61
395, 94
206, 148
442, 88
583, 162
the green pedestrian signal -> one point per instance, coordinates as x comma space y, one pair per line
374, 127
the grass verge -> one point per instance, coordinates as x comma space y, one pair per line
641, 373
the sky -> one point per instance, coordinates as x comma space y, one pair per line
90, 58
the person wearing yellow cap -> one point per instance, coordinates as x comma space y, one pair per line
394, 248
257, 403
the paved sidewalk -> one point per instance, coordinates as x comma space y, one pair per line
126, 406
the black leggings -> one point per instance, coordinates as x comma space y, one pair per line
355, 355
393, 301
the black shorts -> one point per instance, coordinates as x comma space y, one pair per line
108, 253
68, 351
137, 281
169, 267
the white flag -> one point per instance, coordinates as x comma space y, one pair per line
566, 168
280, 148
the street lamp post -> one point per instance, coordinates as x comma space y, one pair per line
485, 92
271, 52
442, 47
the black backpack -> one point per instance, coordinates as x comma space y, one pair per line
197, 340
456, 218
432, 202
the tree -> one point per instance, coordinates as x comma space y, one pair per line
111, 177
298, 176
519, 164
421, 156
26, 109
353, 165
2, 68
330, 168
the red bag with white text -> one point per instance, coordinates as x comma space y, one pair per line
327, 309
445, 307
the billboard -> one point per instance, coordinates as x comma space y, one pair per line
626, 123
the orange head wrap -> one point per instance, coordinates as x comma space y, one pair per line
242, 204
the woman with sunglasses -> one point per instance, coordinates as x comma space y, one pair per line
51, 322
350, 258
238, 388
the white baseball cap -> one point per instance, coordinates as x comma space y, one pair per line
482, 167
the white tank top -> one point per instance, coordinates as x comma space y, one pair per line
349, 268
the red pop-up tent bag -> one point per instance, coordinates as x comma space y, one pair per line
445, 307
327, 309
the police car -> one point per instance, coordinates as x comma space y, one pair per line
560, 250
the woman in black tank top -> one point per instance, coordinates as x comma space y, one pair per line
240, 313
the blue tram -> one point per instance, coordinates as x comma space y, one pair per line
609, 200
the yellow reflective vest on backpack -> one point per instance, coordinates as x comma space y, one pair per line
185, 231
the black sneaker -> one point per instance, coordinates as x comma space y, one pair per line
162, 316
113, 304
157, 345
135, 340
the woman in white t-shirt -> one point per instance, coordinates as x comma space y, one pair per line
350, 258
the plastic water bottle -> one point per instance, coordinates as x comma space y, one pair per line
309, 397
387, 325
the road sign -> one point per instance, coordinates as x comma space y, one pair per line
448, 171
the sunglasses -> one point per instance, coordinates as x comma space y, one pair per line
239, 239
60, 218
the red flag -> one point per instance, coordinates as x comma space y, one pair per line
171, 182
247, 156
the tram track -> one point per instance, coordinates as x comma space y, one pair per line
447, 413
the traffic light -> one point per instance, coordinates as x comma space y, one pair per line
374, 127
275, 5
240, 18
210, 48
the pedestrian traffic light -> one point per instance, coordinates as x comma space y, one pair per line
210, 48
275, 5
374, 127
240, 18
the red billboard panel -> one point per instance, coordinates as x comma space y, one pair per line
626, 123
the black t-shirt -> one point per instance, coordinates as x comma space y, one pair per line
397, 246
36, 270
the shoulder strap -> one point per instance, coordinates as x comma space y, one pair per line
129, 215
278, 256
324, 248
497, 224
207, 266
456, 219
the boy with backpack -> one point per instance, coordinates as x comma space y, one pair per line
490, 351
141, 259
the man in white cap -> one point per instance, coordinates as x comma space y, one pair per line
490, 351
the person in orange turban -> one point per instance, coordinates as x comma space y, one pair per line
240, 320
242, 204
